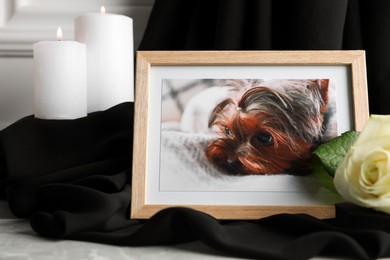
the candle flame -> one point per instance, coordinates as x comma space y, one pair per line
59, 34
102, 10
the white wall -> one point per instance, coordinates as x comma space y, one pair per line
23, 22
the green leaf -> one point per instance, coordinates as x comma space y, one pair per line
327, 157
333, 152
320, 173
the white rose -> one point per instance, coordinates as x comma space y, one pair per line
363, 176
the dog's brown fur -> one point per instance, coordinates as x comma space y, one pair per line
269, 127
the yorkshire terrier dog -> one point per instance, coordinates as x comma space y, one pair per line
268, 127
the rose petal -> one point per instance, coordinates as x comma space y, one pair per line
376, 126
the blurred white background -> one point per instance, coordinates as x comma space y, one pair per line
24, 22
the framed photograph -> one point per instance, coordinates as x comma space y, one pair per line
231, 133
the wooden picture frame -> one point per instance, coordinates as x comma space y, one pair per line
154, 68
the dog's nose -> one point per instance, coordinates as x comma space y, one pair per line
233, 163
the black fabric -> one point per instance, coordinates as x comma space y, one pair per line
37, 152
279, 25
71, 178
355, 217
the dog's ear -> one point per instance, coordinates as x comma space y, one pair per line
324, 90
218, 110
322, 85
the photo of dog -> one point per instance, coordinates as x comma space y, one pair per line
261, 127
269, 127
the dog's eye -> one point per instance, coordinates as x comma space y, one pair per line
227, 131
264, 138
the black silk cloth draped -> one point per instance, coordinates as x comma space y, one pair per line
72, 178
280, 25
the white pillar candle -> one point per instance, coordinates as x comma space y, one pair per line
60, 79
109, 40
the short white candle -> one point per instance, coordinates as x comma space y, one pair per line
110, 62
60, 81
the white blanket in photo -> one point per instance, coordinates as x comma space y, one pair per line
185, 167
